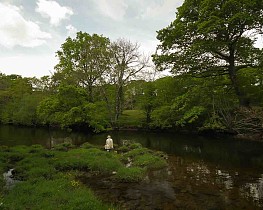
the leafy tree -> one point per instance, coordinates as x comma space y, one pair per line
44, 84
211, 38
148, 100
251, 80
18, 102
83, 60
70, 108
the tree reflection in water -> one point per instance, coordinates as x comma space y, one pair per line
208, 186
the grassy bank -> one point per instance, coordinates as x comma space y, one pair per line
131, 119
49, 178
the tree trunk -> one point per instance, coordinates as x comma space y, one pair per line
90, 92
118, 106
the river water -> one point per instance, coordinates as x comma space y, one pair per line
203, 173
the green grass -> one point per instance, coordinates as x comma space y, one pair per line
131, 118
143, 157
60, 193
149, 161
133, 174
45, 185
87, 159
50, 177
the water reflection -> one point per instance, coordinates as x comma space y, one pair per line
206, 183
224, 178
205, 172
254, 190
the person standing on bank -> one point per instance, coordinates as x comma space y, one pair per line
109, 143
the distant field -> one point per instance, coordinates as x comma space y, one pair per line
132, 118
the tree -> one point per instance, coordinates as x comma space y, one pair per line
127, 63
83, 61
18, 102
148, 100
70, 108
211, 38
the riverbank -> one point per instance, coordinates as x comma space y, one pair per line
50, 179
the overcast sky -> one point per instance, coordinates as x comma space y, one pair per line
31, 31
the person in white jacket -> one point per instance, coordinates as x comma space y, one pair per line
109, 143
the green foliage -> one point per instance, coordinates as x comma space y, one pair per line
18, 103
148, 100
161, 117
131, 118
83, 61
170, 116
70, 108
251, 80
213, 123
191, 115
209, 38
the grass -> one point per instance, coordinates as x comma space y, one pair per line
133, 174
60, 193
143, 157
131, 118
149, 161
50, 177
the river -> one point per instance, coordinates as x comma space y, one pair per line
203, 173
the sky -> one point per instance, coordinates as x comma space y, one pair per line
31, 31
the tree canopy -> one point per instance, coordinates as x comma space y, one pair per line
83, 60
211, 38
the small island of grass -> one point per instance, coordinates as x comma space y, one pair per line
51, 179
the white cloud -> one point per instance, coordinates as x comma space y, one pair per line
162, 9
28, 65
71, 30
16, 30
53, 11
115, 10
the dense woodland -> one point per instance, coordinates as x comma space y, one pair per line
216, 81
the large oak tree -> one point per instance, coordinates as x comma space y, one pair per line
211, 38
